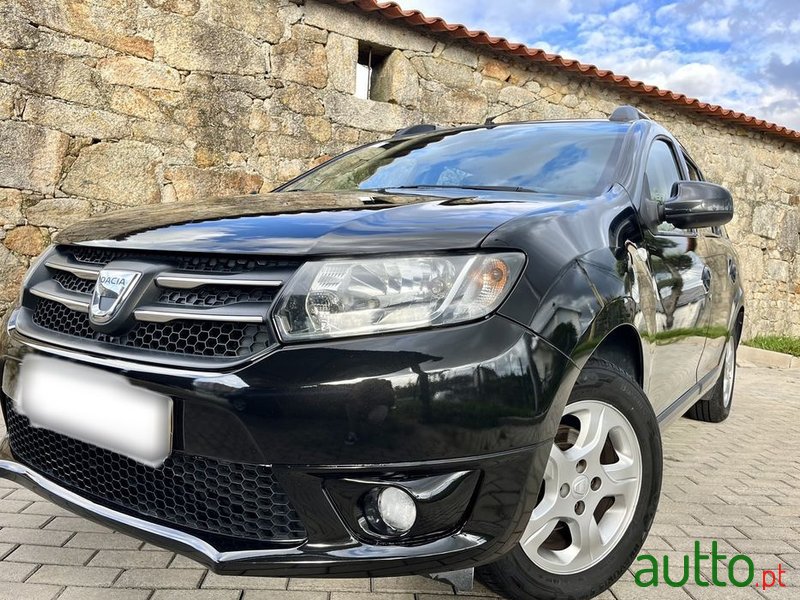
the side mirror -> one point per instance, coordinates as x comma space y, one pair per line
695, 204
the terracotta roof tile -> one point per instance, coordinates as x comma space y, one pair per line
437, 25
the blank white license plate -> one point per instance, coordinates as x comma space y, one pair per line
96, 407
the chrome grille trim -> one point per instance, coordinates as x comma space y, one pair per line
50, 290
61, 263
165, 315
181, 281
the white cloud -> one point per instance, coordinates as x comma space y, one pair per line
501, 17
626, 14
666, 11
698, 80
779, 106
710, 29
546, 46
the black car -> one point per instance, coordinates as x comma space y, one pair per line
451, 349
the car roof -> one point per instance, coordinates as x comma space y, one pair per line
423, 130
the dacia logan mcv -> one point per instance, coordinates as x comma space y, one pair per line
449, 350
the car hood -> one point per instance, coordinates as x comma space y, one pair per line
302, 223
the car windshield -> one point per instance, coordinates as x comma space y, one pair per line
576, 158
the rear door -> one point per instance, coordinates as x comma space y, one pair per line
682, 279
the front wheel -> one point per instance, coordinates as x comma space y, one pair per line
598, 497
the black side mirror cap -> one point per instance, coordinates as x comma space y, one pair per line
695, 204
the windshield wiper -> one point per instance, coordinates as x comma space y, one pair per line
488, 188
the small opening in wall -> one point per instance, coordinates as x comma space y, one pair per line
371, 60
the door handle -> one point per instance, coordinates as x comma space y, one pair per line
707, 278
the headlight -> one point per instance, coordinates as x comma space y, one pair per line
339, 298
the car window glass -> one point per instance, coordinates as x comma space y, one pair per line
694, 174
661, 173
556, 158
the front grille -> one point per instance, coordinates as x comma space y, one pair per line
184, 262
73, 283
195, 307
216, 295
190, 338
191, 492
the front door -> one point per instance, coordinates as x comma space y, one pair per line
682, 278
722, 292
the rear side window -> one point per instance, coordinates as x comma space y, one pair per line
694, 174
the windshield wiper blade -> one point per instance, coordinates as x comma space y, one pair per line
488, 188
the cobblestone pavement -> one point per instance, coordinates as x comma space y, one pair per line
737, 483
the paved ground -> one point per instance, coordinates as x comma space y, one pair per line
737, 483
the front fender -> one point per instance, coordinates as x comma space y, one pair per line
590, 298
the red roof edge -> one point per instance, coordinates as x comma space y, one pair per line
440, 27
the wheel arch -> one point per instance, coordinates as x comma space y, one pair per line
738, 324
622, 346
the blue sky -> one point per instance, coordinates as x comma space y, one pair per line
742, 54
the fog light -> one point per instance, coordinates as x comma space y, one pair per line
390, 511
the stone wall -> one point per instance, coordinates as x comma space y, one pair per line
115, 103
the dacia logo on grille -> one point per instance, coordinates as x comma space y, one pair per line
112, 288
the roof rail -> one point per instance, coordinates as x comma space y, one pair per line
626, 113
414, 129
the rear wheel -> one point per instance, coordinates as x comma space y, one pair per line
716, 405
598, 497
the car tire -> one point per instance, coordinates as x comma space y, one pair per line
715, 406
607, 417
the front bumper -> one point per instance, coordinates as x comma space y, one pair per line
496, 523
476, 399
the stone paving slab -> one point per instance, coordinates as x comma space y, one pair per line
737, 483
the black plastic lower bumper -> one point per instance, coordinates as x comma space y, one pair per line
496, 520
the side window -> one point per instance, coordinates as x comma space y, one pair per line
694, 174
661, 172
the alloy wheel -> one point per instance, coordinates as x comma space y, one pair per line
590, 490
730, 371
